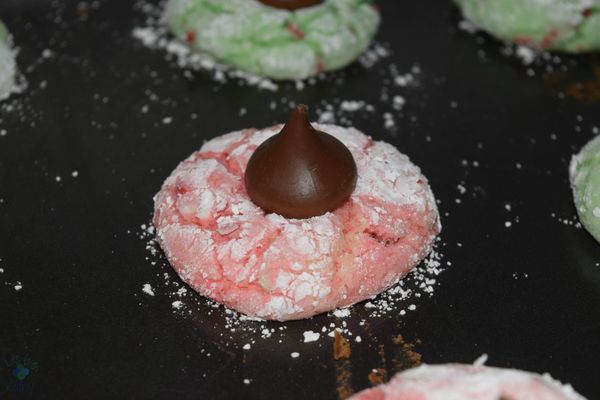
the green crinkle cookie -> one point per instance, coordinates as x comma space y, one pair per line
273, 42
584, 172
7, 64
561, 25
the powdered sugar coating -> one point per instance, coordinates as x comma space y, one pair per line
267, 266
469, 382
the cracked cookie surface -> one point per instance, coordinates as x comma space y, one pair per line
273, 42
267, 266
561, 25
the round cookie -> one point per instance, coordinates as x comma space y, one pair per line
275, 42
561, 25
584, 173
8, 66
268, 266
469, 382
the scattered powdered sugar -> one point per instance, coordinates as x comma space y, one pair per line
158, 38
16, 285
467, 26
147, 288
419, 283
525, 54
177, 304
155, 36
520, 275
295, 354
396, 93
571, 220
532, 59
396, 302
310, 336
342, 312
352, 105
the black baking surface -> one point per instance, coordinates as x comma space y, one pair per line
528, 295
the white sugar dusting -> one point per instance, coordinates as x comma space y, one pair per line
533, 60
310, 336
177, 304
342, 312
147, 288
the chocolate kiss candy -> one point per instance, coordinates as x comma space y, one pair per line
300, 172
291, 4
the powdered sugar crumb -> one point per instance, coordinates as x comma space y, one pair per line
310, 336
342, 312
147, 288
177, 304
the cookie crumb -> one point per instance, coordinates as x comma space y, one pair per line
177, 304
310, 336
148, 289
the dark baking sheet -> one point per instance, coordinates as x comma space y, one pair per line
528, 295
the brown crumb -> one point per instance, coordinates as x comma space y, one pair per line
343, 374
82, 10
341, 347
588, 91
378, 376
406, 357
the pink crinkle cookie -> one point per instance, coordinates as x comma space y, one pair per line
469, 382
267, 266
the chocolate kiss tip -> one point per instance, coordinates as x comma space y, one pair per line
300, 172
291, 4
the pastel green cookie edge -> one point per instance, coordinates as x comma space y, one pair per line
8, 68
584, 176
